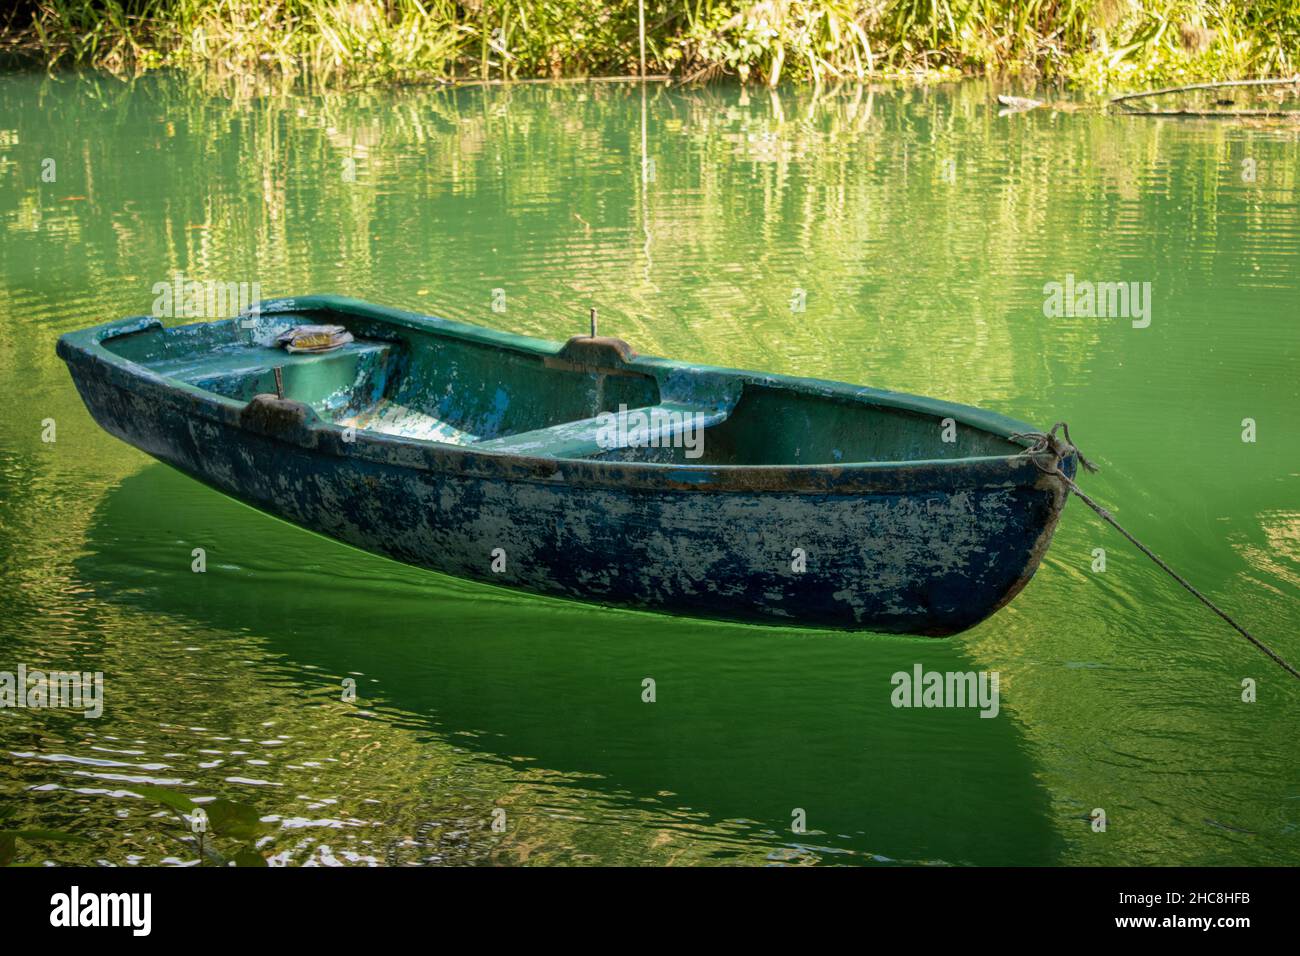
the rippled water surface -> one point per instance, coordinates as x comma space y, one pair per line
921, 228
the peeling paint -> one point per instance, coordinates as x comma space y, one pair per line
431, 477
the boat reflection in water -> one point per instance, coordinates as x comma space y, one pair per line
749, 725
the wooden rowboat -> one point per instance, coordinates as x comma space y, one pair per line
586, 471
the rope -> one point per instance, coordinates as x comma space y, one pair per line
1059, 448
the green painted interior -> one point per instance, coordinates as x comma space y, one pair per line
785, 426
426, 384
408, 383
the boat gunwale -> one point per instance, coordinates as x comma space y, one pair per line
325, 437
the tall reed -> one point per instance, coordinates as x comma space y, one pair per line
363, 41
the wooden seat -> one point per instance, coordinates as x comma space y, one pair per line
664, 424
328, 381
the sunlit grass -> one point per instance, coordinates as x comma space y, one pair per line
363, 41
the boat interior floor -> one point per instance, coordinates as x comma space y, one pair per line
360, 385
587, 401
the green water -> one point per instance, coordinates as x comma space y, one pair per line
921, 228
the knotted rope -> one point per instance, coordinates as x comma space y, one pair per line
1048, 444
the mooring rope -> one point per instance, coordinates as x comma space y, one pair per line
1059, 448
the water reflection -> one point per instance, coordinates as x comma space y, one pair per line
919, 229
749, 724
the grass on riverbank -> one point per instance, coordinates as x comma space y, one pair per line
1093, 42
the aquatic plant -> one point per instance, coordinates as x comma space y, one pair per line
222, 832
9, 838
